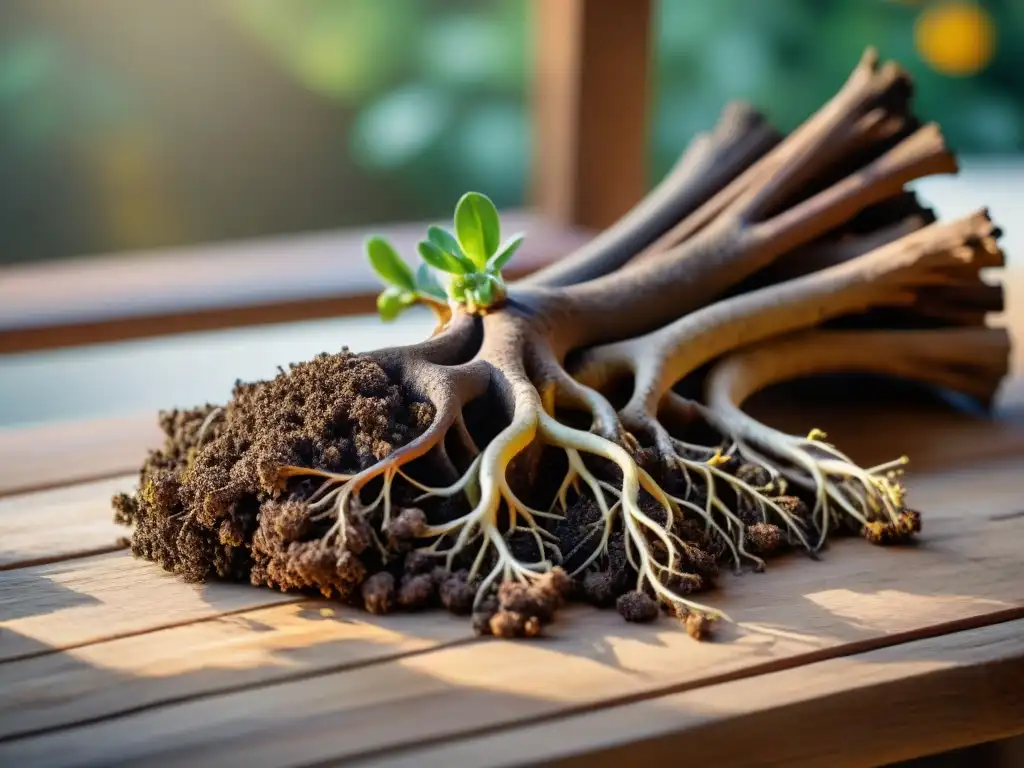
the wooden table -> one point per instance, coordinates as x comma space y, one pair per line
868, 657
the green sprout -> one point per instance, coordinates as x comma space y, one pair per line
472, 258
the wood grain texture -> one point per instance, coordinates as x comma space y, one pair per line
965, 572
591, 104
59, 454
252, 282
241, 651
68, 604
858, 711
59, 524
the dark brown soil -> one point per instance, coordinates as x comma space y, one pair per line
637, 607
211, 504
214, 508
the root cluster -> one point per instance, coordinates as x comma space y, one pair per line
585, 440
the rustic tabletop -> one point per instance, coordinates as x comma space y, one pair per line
870, 656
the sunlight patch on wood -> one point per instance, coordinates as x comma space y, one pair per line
882, 610
279, 637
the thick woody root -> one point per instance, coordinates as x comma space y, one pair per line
856, 151
875, 227
896, 274
709, 163
754, 230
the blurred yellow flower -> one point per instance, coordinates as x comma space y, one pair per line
955, 38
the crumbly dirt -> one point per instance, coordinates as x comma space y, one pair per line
212, 504
637, 607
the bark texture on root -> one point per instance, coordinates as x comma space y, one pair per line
585, 440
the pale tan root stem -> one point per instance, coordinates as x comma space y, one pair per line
636, 524
969, 360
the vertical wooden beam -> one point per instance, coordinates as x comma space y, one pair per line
591, 102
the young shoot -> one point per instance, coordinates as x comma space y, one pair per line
472, 258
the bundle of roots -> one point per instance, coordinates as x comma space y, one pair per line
585, 439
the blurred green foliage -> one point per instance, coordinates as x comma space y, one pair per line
128, 125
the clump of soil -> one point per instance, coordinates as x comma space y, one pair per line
379, 593
637, 607
211, 503
899, 531
765, 538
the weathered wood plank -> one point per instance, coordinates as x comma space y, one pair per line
61, 523
241, 651
49, 455
965, 572
71, 603
898, 703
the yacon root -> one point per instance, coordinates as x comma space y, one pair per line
565, 452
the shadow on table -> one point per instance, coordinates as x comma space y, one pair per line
25, 593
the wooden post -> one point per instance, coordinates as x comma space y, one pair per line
591, 89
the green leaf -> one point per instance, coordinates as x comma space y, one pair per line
390, 303
438, 259
477, 227
467, 265
389, 265
444, 240
427, 284
498, 261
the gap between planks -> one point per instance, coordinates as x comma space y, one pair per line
797, 612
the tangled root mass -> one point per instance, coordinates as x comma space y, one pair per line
499, 470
